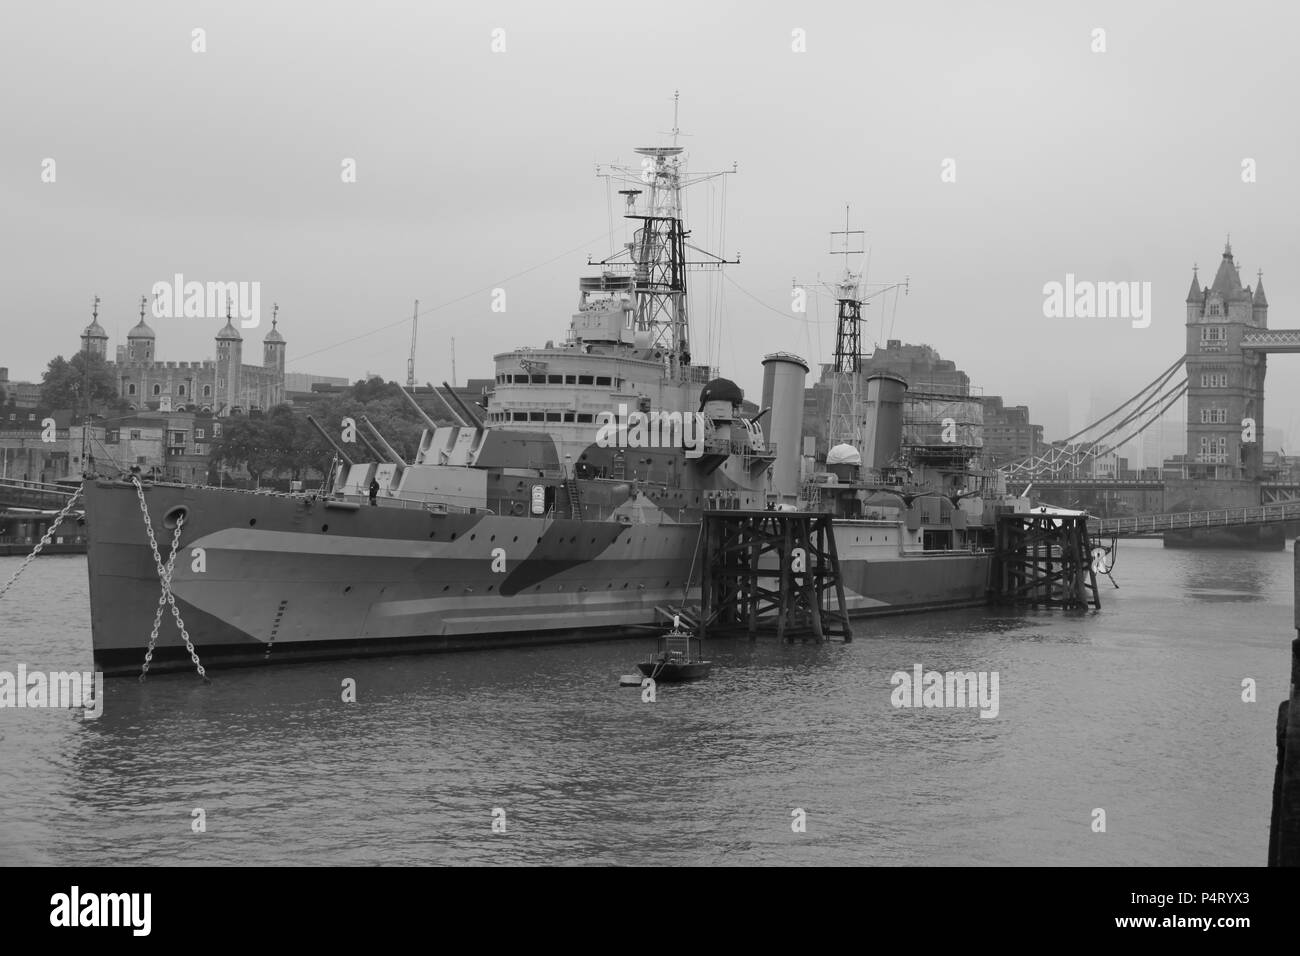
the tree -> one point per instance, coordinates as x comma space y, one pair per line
374, 389
64, 383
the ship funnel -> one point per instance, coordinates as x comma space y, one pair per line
883, 431
783, 385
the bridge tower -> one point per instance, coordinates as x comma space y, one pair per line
1225, 381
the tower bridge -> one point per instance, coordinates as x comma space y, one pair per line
1227, 346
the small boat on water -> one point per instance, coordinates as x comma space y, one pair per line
677, 657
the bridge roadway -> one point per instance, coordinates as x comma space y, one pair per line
1142, 525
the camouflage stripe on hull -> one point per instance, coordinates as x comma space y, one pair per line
285, 578
281, 573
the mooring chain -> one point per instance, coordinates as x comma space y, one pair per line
162, 597
166, 597
45, 539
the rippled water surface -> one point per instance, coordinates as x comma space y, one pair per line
1136, 710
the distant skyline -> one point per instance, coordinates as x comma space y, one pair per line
985, 151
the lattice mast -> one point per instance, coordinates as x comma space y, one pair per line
656, 256
845, 426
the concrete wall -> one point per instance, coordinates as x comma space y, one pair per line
1183, 494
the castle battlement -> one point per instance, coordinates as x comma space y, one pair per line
212, 386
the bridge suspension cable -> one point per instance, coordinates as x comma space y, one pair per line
1070, 453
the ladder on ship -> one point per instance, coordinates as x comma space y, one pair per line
575, 499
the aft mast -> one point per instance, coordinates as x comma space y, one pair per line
846, 402
845, 424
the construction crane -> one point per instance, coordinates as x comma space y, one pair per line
410, 361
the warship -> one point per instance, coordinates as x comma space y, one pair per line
568, 507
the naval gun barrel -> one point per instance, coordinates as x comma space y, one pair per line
472, 417
429, 422
389, 453
338, 449
375, 453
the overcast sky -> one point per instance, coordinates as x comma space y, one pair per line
476, 166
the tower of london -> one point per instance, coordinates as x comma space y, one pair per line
221, 386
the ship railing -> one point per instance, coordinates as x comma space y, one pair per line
938, 552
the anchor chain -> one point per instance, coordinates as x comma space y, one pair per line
45, 539
166, 598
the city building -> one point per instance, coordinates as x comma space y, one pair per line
25, 455
936, 389
1009, 436
19, 394
173, 444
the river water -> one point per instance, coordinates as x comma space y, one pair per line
1136, 710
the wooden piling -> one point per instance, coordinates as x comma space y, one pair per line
751, 582
1044, 559
1284, 827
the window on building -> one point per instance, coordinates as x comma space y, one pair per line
552, 416
520, 416
536, 417
207, 391
1214, 308
568, 416
555, 380
199, 434
180, 389
130, 389
135, 434
604, 380
1214, 333
584, 418
539, 379
570, 380
157, 389
586, 380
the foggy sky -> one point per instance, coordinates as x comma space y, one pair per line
475, 166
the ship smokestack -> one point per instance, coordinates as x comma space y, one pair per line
883, 431
783, 385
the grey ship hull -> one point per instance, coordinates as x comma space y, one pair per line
264, 578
